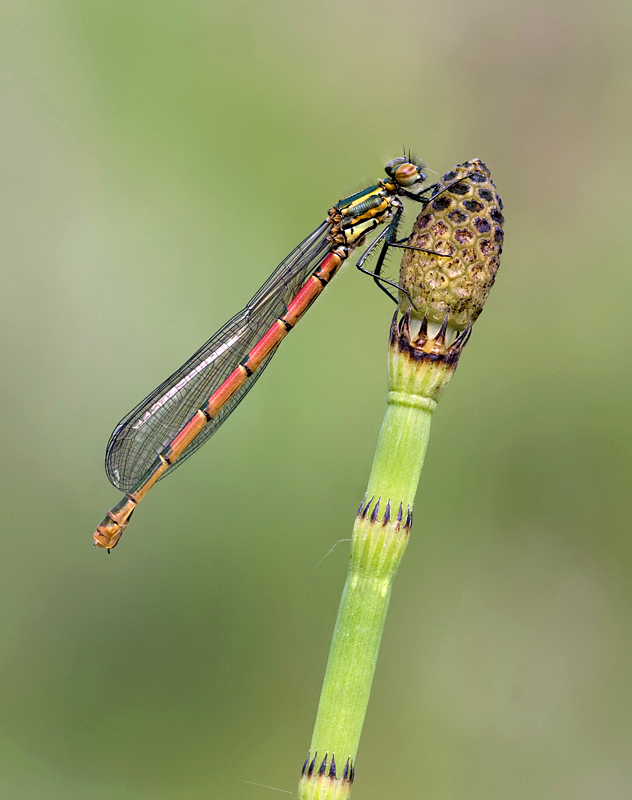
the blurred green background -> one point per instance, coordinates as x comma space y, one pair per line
158, 160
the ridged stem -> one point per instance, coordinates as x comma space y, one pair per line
380, 536
401, 448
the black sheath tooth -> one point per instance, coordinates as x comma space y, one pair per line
345, 773
310, 771
400, 513
387, 514
462, 338
332, 768
409, 519
303, 771
367, 506
323, 766
405, 325
423, 330
440, 337
394, 328
376, 511
361, 506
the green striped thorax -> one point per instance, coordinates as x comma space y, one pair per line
359, 214
461, 227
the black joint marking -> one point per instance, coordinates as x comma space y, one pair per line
387, 513
246, 367
109, 551
323, 766
322, 280
310, 771
285, 323
206, 414
376, 511
167, 459
332, 768
131, 498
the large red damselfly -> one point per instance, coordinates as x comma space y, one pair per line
184, 411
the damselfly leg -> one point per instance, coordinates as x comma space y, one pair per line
387, 238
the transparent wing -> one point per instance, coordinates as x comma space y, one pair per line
141, 435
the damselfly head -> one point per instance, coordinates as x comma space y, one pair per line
405, 171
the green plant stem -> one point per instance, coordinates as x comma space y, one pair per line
417, 379
373, 565
401, 448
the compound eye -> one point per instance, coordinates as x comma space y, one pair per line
407, 174
393, 165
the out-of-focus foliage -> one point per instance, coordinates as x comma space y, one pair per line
158, 160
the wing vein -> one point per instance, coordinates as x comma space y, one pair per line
149, 427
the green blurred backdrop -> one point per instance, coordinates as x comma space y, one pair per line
159, 159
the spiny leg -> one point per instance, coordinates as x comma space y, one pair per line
401, 244
388, 237
420, 197
383, 237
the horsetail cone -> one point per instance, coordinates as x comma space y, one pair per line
461, 226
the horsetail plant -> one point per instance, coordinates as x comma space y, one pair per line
460, 230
